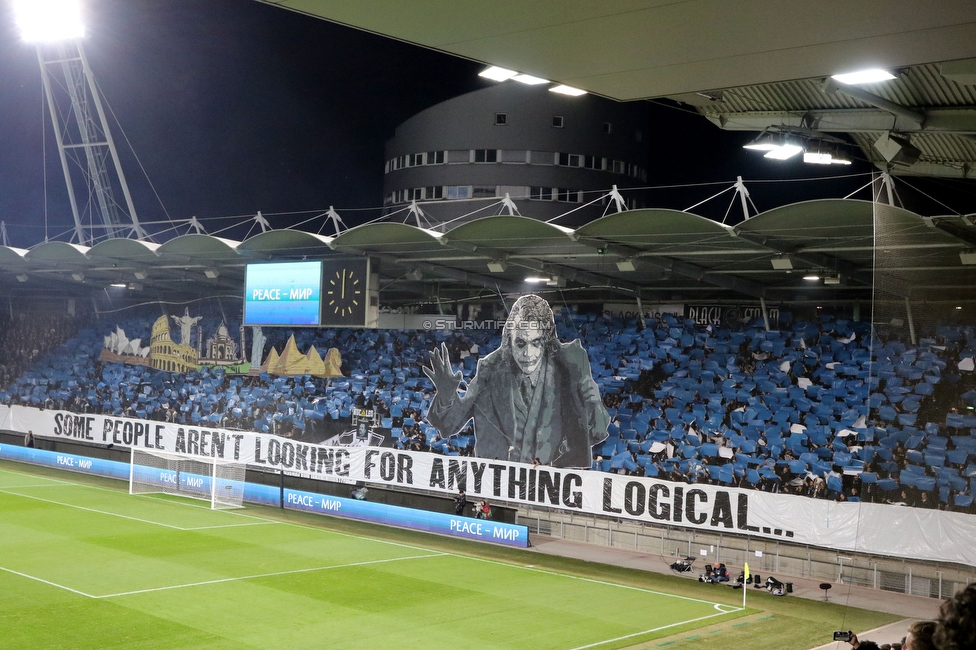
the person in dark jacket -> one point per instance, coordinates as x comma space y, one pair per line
534, 397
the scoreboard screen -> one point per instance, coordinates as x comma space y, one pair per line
284, 293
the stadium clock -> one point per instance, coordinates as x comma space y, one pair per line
344, 293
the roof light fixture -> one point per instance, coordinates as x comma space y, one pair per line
46, 21
871, 75
497, 266
567, 90
529, 79
826, 154
776, 145
782, 263
497, 74
811, 277
119, 285
534, 279
784, 152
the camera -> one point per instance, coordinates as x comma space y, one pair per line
842, 636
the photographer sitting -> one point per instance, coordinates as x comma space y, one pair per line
775, 587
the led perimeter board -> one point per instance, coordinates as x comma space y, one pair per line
283, 293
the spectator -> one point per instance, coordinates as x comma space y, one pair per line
857, 644
919, 636
460, 503
956, 626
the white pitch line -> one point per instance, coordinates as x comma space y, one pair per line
101, 512
253, 523
47, 582
592, 580
18, 487
652, 630
61, 482
269, 575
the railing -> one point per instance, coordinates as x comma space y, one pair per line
765, 557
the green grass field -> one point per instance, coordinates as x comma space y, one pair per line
85, 565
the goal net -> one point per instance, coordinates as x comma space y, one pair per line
218, 481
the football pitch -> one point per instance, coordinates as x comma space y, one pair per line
85, 565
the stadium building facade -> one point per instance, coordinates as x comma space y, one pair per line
548, 152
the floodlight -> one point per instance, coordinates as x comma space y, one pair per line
534, 279
497, 266
141, 275
46, 21
776, 145
826, 154
530, 80
212, 273
968, 258
119, 285
783, 263
497, 74
136, 286
832, 279
567, 90
817, 158
415, 275
812, 277
872, 75
784, 152
765, 141
626, 265
78, 276
22, 277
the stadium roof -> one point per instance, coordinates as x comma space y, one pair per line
656, 254
745, 65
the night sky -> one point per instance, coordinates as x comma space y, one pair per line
233, 106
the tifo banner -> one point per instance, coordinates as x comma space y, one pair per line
909, 532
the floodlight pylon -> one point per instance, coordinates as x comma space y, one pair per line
87, 151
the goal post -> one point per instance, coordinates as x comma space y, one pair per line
218, 481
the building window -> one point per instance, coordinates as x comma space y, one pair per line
485, 155
416, 194
619, 167
567, 196
557, 121
607, 127
458, 192
639, 136
435, 192
570, 160
416, 159
484, 192
435, 158
501, 119
540, 193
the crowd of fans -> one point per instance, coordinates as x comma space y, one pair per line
27, 337
954, 629
821, 409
